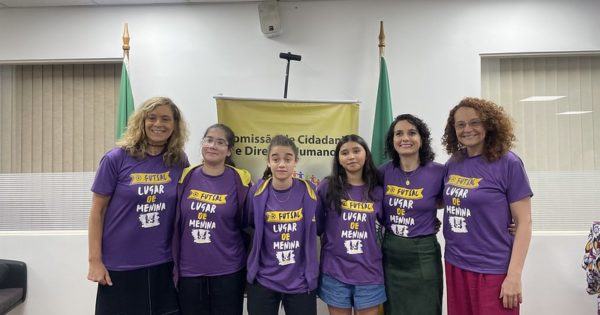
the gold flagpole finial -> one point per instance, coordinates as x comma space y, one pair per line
381, 39
126, 41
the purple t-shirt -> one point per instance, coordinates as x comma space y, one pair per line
282, 252
410, 209
349, 249
138, 224
477, 198
211, 238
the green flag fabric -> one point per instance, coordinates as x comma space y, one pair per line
383, 116
126, 106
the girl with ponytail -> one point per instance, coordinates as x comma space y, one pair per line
282, 265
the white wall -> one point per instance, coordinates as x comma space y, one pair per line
193, 52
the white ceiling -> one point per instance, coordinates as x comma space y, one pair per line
58, 3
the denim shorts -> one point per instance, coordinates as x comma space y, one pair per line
342, 295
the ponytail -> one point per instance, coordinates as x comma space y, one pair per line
267, 173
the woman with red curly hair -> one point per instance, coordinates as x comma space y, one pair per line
486, 187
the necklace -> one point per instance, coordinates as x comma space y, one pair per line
407, 175
287, 195
154, 149
349, 195
156, 145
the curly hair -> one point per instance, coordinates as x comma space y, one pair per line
135, 140
426, 153
499, 133
338, 179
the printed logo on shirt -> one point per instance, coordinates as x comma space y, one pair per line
285, 224
286, 257
400, 230
457, 191
205, 205
404, 193
207, 197
463, 182
353, 247
150, 178
284, 216
151, 190
357, 206
403, 199
355, 220
458, 224
201, 236
149, 220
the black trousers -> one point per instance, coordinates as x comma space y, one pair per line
264, 301
212, 295
145, 291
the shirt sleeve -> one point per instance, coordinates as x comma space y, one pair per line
107, 174
518, 183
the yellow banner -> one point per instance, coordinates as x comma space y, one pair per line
315, 127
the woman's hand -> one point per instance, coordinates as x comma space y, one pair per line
98, 273
510, 292
437, 224
512, 228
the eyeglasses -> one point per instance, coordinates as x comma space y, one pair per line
475, 123
217, 142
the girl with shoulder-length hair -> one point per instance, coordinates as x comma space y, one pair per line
209, 225
486, 187
136, 142
282, 264
349, 208
412, 260
133, 211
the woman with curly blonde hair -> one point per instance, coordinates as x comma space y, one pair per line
486, 187
133, 211
136, 142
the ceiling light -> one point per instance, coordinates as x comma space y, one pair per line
577, 112
542, 98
